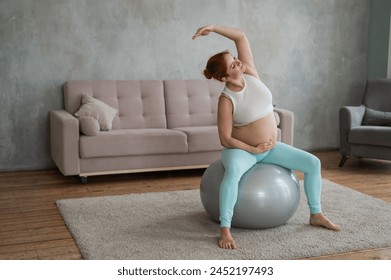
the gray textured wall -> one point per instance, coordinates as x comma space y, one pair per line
311, 53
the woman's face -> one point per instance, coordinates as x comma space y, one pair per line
235, 68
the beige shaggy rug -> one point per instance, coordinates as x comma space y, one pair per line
174, 225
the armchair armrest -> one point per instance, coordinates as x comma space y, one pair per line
349, 117
286, 125
64, 141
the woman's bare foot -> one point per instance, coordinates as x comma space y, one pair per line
226, 241
321, 220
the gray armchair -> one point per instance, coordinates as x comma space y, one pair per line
365, 130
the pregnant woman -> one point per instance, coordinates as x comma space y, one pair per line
248, 131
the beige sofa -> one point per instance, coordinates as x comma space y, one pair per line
158, 125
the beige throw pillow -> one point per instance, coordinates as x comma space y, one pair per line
103, 113
89, 126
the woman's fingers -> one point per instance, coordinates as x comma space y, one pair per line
266, 146
202, 31
198, 33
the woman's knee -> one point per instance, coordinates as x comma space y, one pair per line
314, 163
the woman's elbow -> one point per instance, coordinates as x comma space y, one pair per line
225, 142
241, 35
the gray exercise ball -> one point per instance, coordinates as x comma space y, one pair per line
268, 195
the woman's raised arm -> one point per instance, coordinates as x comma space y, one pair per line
239, 37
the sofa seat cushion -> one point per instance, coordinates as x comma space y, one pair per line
371, 135
201, 138
127, 142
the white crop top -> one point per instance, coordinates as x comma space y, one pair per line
252, 103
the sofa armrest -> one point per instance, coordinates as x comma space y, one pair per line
286, 125
64, 141
349, 117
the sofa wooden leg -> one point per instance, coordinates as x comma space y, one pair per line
343, 160
83, 179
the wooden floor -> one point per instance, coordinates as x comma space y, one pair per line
32, 228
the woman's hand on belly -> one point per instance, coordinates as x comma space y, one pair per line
265, 146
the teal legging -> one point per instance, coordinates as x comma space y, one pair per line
236, 162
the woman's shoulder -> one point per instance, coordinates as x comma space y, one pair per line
251, 79
248, 76
226, 100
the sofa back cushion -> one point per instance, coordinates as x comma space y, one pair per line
140, 104
378, 95
191, 102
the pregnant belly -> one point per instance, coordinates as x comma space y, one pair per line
257, 132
